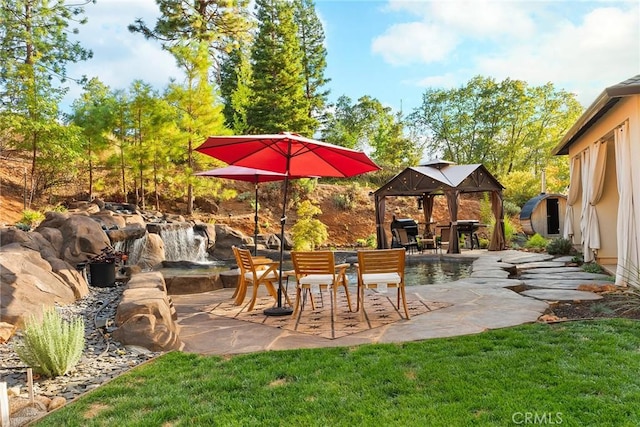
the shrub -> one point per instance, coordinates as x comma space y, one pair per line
536, 242
486, 215
52, 346
31, 218
559, 246
308, 232
511, 209
591, 267
343, 202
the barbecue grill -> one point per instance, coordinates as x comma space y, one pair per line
407, 224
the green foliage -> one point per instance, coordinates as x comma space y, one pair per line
560, 246
300, 189
343, 202
369, 125
536, 242
510, 209
484, 242
279, 101
369, 242
591, 267
52, 346
513, 126
31, 218
308, 232
509, 230
486, 214
247, 195
520, 187
347, 199
36, 49
314, 56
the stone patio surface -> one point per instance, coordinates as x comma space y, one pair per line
472, 305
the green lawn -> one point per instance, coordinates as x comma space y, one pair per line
571, 374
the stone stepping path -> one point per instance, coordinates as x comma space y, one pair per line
564, 284
551, 270
543, 265
567, 275
561, 295
550, 279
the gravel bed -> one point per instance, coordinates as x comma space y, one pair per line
103, 357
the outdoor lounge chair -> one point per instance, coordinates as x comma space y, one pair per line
255, 271
445, 234
379, 269
402, 238
317, 270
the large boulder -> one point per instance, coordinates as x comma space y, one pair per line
208, 230
28, 284
109, 220
145, 315
226, 238
130, 232
83, 238
152, 253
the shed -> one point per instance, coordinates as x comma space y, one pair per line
544, 214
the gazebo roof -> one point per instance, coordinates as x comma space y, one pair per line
438, 176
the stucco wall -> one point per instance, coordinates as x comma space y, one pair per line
607, 208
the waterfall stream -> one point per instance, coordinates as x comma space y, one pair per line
184, 244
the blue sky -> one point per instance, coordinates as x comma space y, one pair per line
393, 50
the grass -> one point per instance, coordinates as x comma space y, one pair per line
573, 373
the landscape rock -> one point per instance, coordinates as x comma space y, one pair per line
226, 238
153, 252
145, 315
28, 283
83, 238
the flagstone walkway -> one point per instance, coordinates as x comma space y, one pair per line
489, 299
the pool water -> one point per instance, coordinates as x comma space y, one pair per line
428, 272
423, 272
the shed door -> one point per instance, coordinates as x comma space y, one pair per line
553, 216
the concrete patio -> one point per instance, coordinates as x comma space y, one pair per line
486, 300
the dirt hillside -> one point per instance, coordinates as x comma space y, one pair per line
345, 226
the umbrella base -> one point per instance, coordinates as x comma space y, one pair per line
278, 311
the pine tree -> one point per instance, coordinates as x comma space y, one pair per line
278, 84
314, 56
235, 88
34, 51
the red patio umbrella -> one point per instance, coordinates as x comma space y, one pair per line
240, 173
292, 155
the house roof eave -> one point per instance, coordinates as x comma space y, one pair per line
603, 103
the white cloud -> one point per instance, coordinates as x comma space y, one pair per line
538, 42
415, 42
120, 57
602, 50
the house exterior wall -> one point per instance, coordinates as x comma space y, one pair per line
627, 109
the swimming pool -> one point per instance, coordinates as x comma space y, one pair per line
429, 271
417, 272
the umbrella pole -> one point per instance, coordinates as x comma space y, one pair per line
255, 228
279, 310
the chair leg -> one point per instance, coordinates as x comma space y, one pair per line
299, 295
334, 302
404, 302
241, 292
343, 282
254, 297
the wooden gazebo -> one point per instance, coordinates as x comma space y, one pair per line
439, 177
